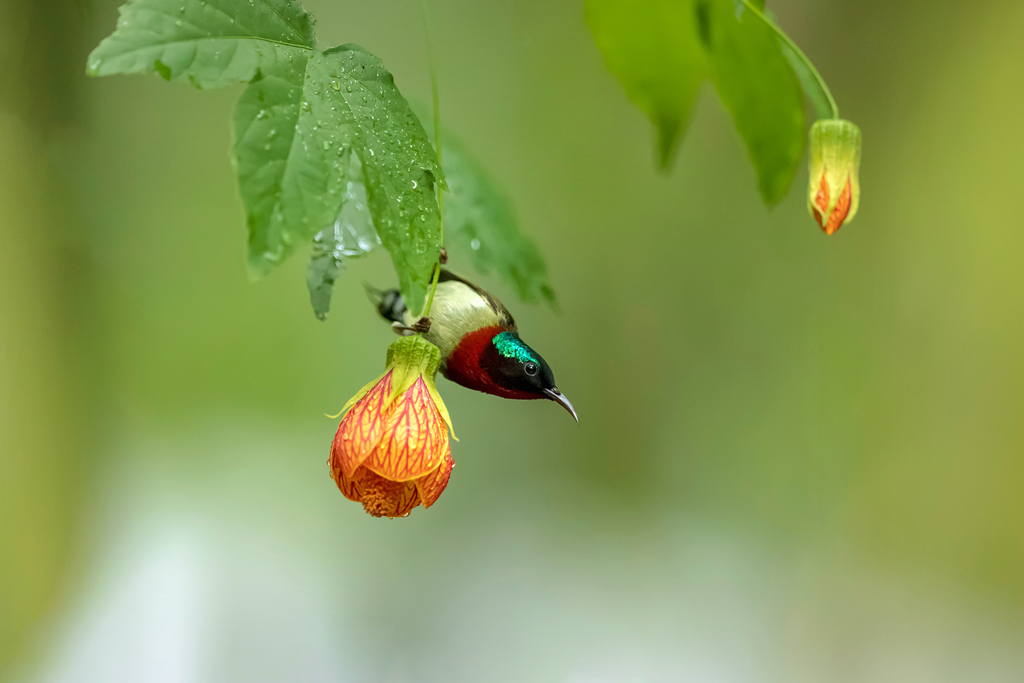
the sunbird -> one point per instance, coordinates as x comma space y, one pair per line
479, 342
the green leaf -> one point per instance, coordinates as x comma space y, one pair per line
211, 43
760, 89
325, 265
480, 221
295, 134
267, 149
652, 47
308, 126
480, 224
662, 50
354, 102
351, 236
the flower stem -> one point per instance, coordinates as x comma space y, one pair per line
437, 143
788, 42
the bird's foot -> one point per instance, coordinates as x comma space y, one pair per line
401, 330
421, 326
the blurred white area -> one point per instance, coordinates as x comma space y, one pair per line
192, 603
233, 558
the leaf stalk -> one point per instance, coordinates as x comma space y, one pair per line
799, 53
437, 143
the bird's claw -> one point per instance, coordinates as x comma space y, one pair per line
401, 330
421, 326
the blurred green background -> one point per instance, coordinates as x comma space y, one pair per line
799, 458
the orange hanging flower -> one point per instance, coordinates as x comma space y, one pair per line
834, 193
391, 452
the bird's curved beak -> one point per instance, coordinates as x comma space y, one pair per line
555, 395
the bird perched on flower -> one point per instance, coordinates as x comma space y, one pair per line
834, 193
478, 340
391, 452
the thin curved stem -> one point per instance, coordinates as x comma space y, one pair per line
800, 55
437, 143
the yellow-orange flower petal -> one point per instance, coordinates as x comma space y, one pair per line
391, 451
839, 213
362, 427
431, 486
415, 438
347, 485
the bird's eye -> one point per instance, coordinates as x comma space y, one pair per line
531, 368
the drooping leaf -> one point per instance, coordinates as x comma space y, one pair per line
211, 43
325, 265
662, 50
266, 124
652, 47
355, 102
809, 84
761, 91
481, 223
293, 160
351, 236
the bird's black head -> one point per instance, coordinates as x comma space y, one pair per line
521, 371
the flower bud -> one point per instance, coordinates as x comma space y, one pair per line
835, 163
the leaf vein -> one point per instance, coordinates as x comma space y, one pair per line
283, 20
257, 39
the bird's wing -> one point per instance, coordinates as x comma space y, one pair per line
505, 318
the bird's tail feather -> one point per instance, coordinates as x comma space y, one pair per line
389, 303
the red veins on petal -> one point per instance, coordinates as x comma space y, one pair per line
392, 457
415, 439
361, 429
347, 485
432, 486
